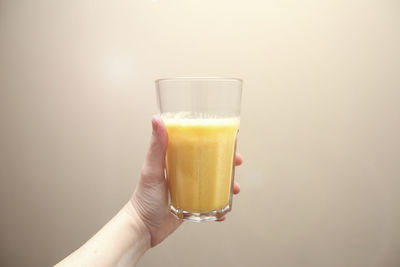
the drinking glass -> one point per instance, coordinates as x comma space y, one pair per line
202, 117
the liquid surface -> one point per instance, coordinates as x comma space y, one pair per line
199, 162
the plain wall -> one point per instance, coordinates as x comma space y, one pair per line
319, 132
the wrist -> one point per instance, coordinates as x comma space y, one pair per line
138, 227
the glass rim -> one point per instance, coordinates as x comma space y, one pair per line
199, 78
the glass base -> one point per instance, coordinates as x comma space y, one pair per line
199, 216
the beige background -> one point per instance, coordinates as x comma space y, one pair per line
320, 125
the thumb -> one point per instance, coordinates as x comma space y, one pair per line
153, 168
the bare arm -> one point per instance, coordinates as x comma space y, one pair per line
143, 222
121, 242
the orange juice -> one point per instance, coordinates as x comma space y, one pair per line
199, 162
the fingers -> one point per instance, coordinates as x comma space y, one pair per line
221, 219
153, 168
238, 162
238, 159
236, 188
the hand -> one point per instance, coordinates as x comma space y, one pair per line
150, 199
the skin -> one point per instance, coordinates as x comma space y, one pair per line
144, 221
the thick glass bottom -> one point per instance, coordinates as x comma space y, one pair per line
199, 216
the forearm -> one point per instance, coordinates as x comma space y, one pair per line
121, 242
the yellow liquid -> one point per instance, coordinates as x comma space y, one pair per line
199, 162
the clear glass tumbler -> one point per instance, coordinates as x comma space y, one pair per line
202, 117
